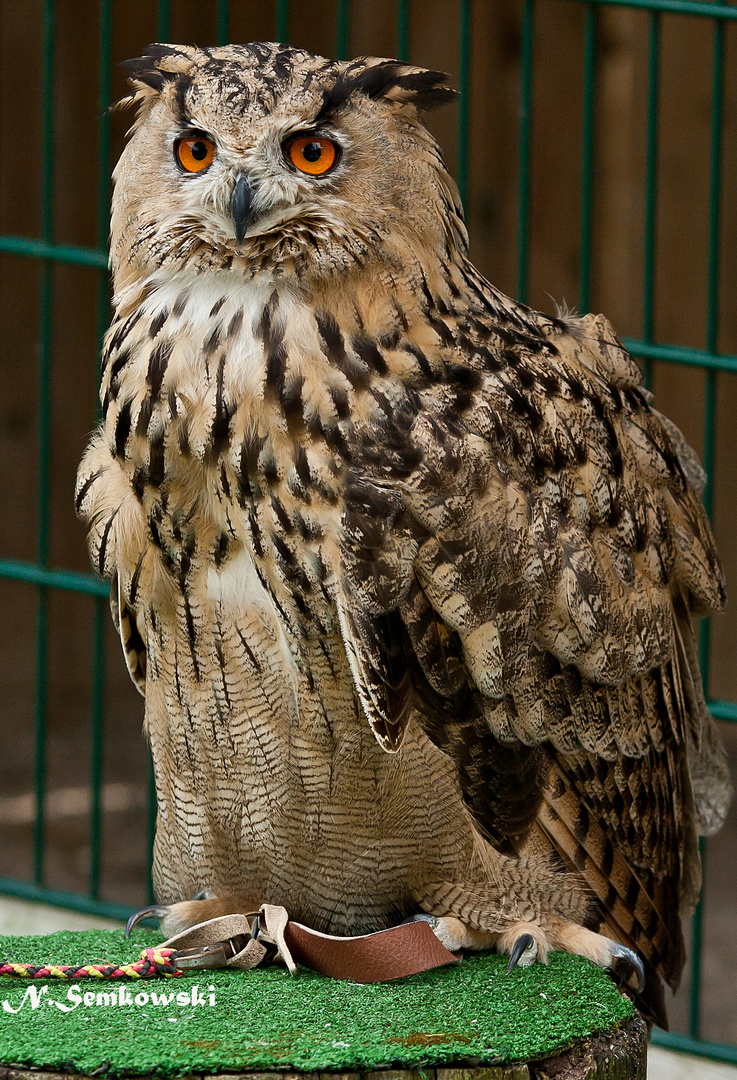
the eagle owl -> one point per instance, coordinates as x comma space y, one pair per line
405, 570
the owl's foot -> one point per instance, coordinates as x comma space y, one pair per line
527, 942
569, 937
173, 918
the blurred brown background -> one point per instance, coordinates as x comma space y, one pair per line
491, 202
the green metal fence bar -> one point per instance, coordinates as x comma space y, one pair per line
676, 7
342, 28
163, 21
99, 613
464, 88
282, 20
68, 580
44, 249
97, 733
708, 450
403, 30
679, 354
523, 152
651, 166
104, 96
26, 890
46, 301
222, 31
223, 22
712, 292
587, 156
686, 1044
723, 710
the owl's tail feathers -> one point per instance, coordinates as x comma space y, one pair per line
629, 906
707, 757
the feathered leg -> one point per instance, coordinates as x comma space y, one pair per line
523, 909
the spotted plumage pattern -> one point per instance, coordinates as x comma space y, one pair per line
405, 570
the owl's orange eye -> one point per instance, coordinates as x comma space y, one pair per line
312, 155
194, 153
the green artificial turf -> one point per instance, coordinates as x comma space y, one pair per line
265, 1019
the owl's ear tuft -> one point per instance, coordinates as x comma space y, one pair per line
149, 74
390, 80
419, 87
158, 66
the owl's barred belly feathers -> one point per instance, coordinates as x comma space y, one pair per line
254, 683
405, 570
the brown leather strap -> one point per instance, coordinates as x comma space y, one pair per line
388, 954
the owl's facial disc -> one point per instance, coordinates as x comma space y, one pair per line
264, 159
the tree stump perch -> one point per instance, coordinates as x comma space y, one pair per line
561, 1021
616, 1055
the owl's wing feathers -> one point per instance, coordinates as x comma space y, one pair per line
532, 520
551, 527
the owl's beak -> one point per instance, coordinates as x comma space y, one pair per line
241, 207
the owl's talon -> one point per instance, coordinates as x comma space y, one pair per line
525, 944
153, 911
629, 956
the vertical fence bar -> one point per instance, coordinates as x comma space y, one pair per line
651, 167
525, 132
44, 422
464, 87
223, 22
709, 443
163, 21
282, 20
97, 699
651, 164
403, 30
97, 695
342, 28
715, 187
587, 156
103, 156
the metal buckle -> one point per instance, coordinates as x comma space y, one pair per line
211, 956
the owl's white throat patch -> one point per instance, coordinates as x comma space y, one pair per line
215, 312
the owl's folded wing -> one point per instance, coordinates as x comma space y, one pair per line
539, 536
523, 550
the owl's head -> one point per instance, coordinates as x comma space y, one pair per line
270, 159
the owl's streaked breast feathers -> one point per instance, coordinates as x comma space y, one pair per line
460, 518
